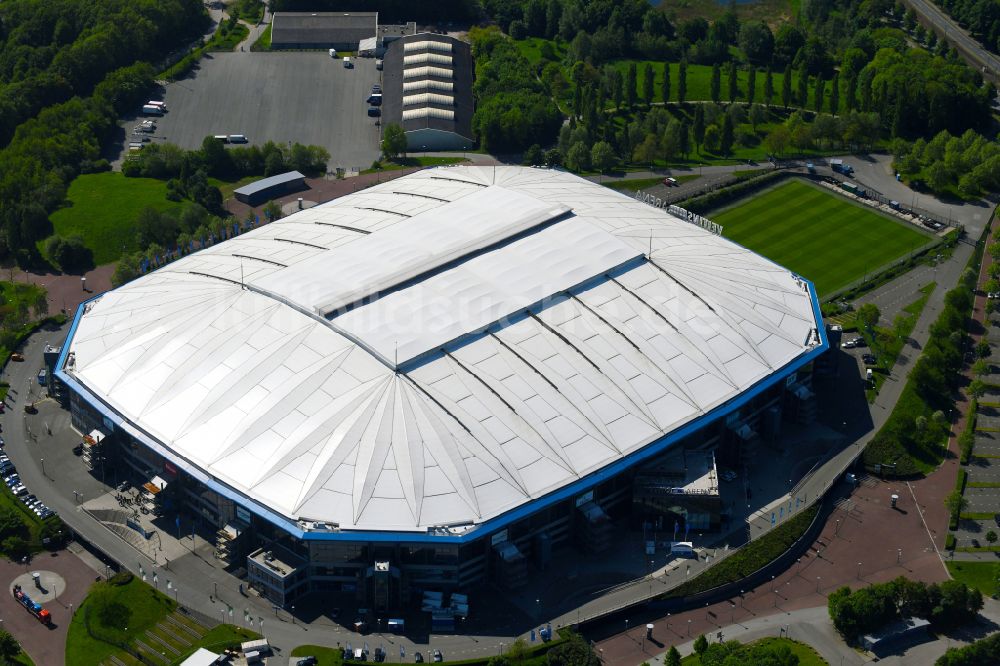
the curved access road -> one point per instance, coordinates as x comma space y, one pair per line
933, 17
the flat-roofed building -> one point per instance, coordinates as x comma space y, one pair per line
265, 189
322, 30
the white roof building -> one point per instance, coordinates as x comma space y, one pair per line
441, 349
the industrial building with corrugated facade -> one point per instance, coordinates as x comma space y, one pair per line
427, 89
431, 383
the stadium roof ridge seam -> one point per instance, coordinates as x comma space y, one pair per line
298, 242
422, 196
266, 261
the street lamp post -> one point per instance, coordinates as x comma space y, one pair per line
859, 570
42, 461
689, 628
817, 583
899, 555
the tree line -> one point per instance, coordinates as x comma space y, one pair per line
968, 164
54, 50
980, 17
945, 605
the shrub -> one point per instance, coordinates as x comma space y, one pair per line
123, 577
949, 541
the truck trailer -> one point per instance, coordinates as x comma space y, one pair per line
35, 609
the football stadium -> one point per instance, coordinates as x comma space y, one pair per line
432, 383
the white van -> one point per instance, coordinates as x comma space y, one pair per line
222, 138
237, 138
162, 105
333, 53
152, 110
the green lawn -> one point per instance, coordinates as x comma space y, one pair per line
818, 234
103, 208
263, 42
147, 606
980, 575
327, 656
806, 654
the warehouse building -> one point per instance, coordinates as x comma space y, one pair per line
427, 89
431, 384
322, 30
269, 188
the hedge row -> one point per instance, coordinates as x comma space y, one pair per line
749, 558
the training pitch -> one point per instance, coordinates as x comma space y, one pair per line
817, 234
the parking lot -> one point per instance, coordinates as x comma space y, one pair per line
305, 97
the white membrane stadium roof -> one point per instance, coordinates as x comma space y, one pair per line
439, 349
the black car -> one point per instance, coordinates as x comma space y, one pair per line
996, 519
307, 661
374, 111
869, 359
417, 657
375, 100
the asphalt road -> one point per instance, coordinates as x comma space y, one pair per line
303, 97
973, 51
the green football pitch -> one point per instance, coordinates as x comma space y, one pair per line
818, 234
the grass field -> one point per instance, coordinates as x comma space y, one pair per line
103, 208
148, 607
807, 655
980, 575
817, 234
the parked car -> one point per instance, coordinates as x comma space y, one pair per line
347, 63
869, 359
17, 356
993, 294
418, 658
310, 660
996, 519
374, 111
378, 64
376, 89
729, 475
669, 181
438, 658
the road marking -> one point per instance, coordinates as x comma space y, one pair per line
927, 529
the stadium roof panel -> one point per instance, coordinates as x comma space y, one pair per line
541, 344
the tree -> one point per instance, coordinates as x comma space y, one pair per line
682, 69
700, 645
991, 536
712, 138
868, 316
734, 87
578, 157
602, 156
777, 140
574, 652
647, 84
977, 388
757, 116
673, 657
835, 94
981, 368
272, 211
698, 128
630, 85
803, 90
665, 86
983, 349
956, 503
716, 83
9, 647
393, 141
726, 139
751, 84
819, 94
768, 87
786, 87
757, 42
